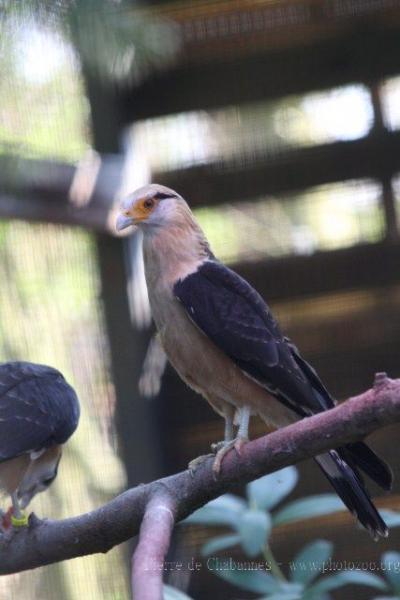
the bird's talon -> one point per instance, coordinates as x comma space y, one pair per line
223, 448
240, 443
216, 447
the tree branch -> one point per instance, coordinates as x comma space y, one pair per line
45, 542
154, 539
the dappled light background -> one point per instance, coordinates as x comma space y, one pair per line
63, 65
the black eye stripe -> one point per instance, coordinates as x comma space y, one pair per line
163, 196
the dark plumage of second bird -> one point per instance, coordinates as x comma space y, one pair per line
39, 411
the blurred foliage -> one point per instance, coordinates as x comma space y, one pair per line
252, 522
42, 116
115, 40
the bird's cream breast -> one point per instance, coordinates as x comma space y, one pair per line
205, 368
198, 361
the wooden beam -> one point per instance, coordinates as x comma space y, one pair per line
137, 419
56, 192
362, 266
376, 156
137, 423
85, 195
236, 27
362, 54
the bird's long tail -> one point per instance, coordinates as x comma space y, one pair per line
360, 455
341, 467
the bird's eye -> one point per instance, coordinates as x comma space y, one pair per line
148, 203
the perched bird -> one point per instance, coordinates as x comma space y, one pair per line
39, 411
220, 336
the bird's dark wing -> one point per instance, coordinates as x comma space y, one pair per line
230, 312
237, 320
37, 408
235, 317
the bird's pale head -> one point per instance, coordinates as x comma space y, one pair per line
40, 474
150, 207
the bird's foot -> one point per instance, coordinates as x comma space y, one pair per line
222, 448
196, 462
16, 518
219, 450
8, 519
217, 446
20, 521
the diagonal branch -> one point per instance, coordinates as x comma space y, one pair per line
154, 539
45, 542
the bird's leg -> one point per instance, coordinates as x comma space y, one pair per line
216, 447
242, 436
16, 509
228, 433
238, 442
18, 518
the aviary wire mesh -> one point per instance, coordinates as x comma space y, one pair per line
51, 312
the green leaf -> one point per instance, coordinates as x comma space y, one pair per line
339, 580
224, 510
219, 543
306, 508
254, 528
171, 593
391, 517
267, 491
308, 563
286, 591
391, 560
255, 581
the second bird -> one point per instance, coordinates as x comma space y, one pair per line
220, 336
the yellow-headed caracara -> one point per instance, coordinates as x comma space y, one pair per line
39, 411
222, 339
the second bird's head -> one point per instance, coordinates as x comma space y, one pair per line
150, 207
